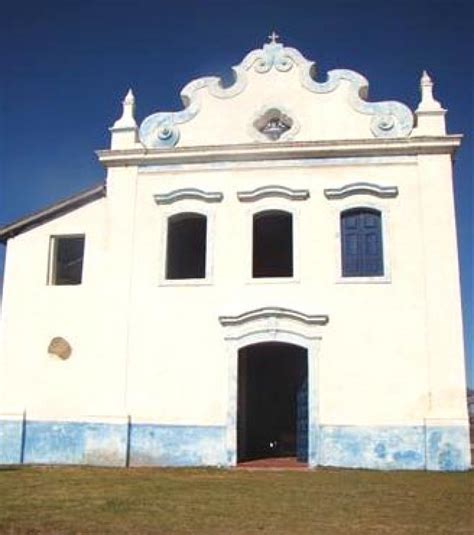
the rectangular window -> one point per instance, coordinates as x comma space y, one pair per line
361, 243
186, 246
272, 244
67, 255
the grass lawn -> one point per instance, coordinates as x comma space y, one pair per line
209, 501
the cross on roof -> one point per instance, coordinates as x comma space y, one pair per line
273, 37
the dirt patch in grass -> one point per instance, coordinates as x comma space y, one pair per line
230, 502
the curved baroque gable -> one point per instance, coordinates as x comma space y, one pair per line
388, 119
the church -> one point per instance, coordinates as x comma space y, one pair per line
269, 272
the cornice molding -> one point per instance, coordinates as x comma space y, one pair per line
273, 191
186, 194
282, 151
275, 313
361, 188
390, 119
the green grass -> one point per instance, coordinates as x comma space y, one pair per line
207, 501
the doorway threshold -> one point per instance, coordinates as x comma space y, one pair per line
273, 463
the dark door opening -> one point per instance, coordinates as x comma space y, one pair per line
272, 417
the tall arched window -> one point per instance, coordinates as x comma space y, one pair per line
361, 243
272, 244
186, 246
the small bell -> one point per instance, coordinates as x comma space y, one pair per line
275, 128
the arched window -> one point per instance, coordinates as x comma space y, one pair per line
272, 244
186, 246
361, 243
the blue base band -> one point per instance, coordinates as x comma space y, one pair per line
444, 448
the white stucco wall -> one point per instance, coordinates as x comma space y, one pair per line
31, 379
140, 342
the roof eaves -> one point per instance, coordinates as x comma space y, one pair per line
51, 212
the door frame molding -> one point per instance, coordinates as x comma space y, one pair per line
273, 324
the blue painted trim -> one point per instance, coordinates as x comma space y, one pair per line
103, 444
448, 449
170, 445
386, 448
400, 447
75, 443
441, 448
11, 441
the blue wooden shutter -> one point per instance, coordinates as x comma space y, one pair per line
302, 421
372, 255
361, 243
351, 245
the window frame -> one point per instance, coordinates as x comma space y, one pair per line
277, 205
385, 237
187, 207
52, 258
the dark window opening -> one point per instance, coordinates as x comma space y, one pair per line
272, 417
67, 260
186, 247
361, 243
272, 244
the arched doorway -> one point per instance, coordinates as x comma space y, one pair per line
272, 402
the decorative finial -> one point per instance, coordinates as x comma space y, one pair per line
127, 120
425, 79
129, 97
273, 37
428, 102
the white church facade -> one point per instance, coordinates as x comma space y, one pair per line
271, 271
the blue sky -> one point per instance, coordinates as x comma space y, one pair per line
66, 65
